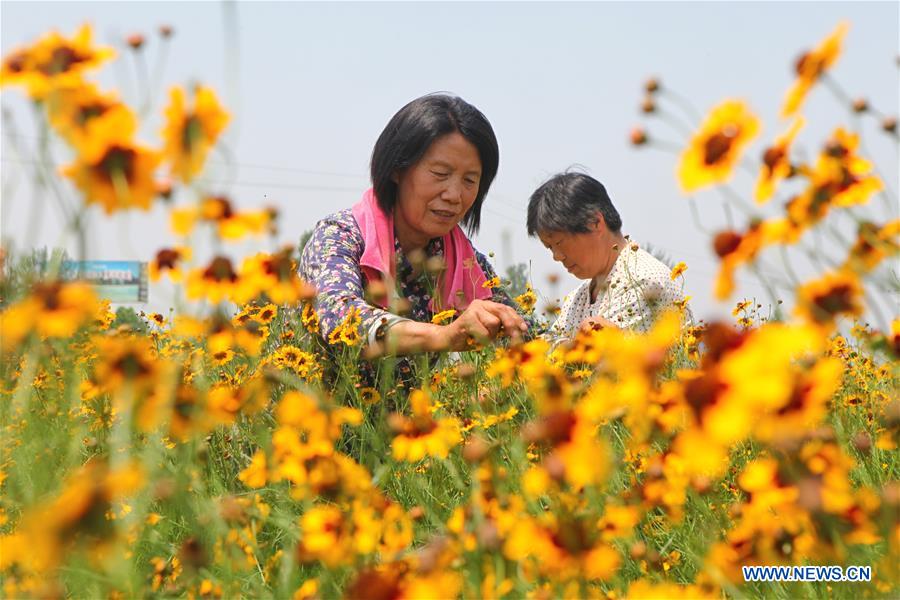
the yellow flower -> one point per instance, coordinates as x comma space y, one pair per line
618, 521
168, 260
776, 163
821, 301
80, 114
873, 244
678, 270
112, 170
182, 220
735, 249
222, 357
126, 360
216, 282
274, 277
811, 66
715, 149
491, 283
52, 309
190, 133
254, 476
266, 314
369, 396
309, 317
53, 61
347, 331
422, 435
526, 300
443, 316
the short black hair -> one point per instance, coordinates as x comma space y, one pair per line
410, 133
570, 202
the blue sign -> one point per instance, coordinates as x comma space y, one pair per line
119, 281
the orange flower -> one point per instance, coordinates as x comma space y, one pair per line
811, 66
776, 163
53, 309
168, 260
873, 244
275, 276
823, 300
422, 435
189, 134
717, 147
53, 61
735, 249
216, 282
112, 170
80, 113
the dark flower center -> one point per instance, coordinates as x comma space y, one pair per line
61, 60
718, 145
220, 269
48, 293
772, 157
167, 258
191, 133
90, 111
117, 162
836, 300
726, 242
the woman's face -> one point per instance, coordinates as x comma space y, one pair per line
434, 194
584, 255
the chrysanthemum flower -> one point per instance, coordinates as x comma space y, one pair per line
216, 282
678, 270
126, 360
273, 276
840, 178
422, 435
52, 309
491, 283
309, 317
810, 68
526, 300
168, 261
563, 548
873, 244
776, 163
53, 61
80, 115
369, 396
715, 149
347, 331
836, 294
190, 133
443, 316
254, 476
735, 249
114, 171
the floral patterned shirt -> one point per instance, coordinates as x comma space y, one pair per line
637, 288
330, 261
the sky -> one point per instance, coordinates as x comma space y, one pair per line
311, 85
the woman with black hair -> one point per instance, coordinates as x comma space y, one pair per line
398, 257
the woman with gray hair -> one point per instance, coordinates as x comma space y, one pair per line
624, 285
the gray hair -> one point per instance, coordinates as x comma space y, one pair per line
570, 203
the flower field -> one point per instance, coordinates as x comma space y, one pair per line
227, 450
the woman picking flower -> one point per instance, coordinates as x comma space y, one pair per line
399, 257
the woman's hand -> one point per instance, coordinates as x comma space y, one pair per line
596, 323
483, 321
